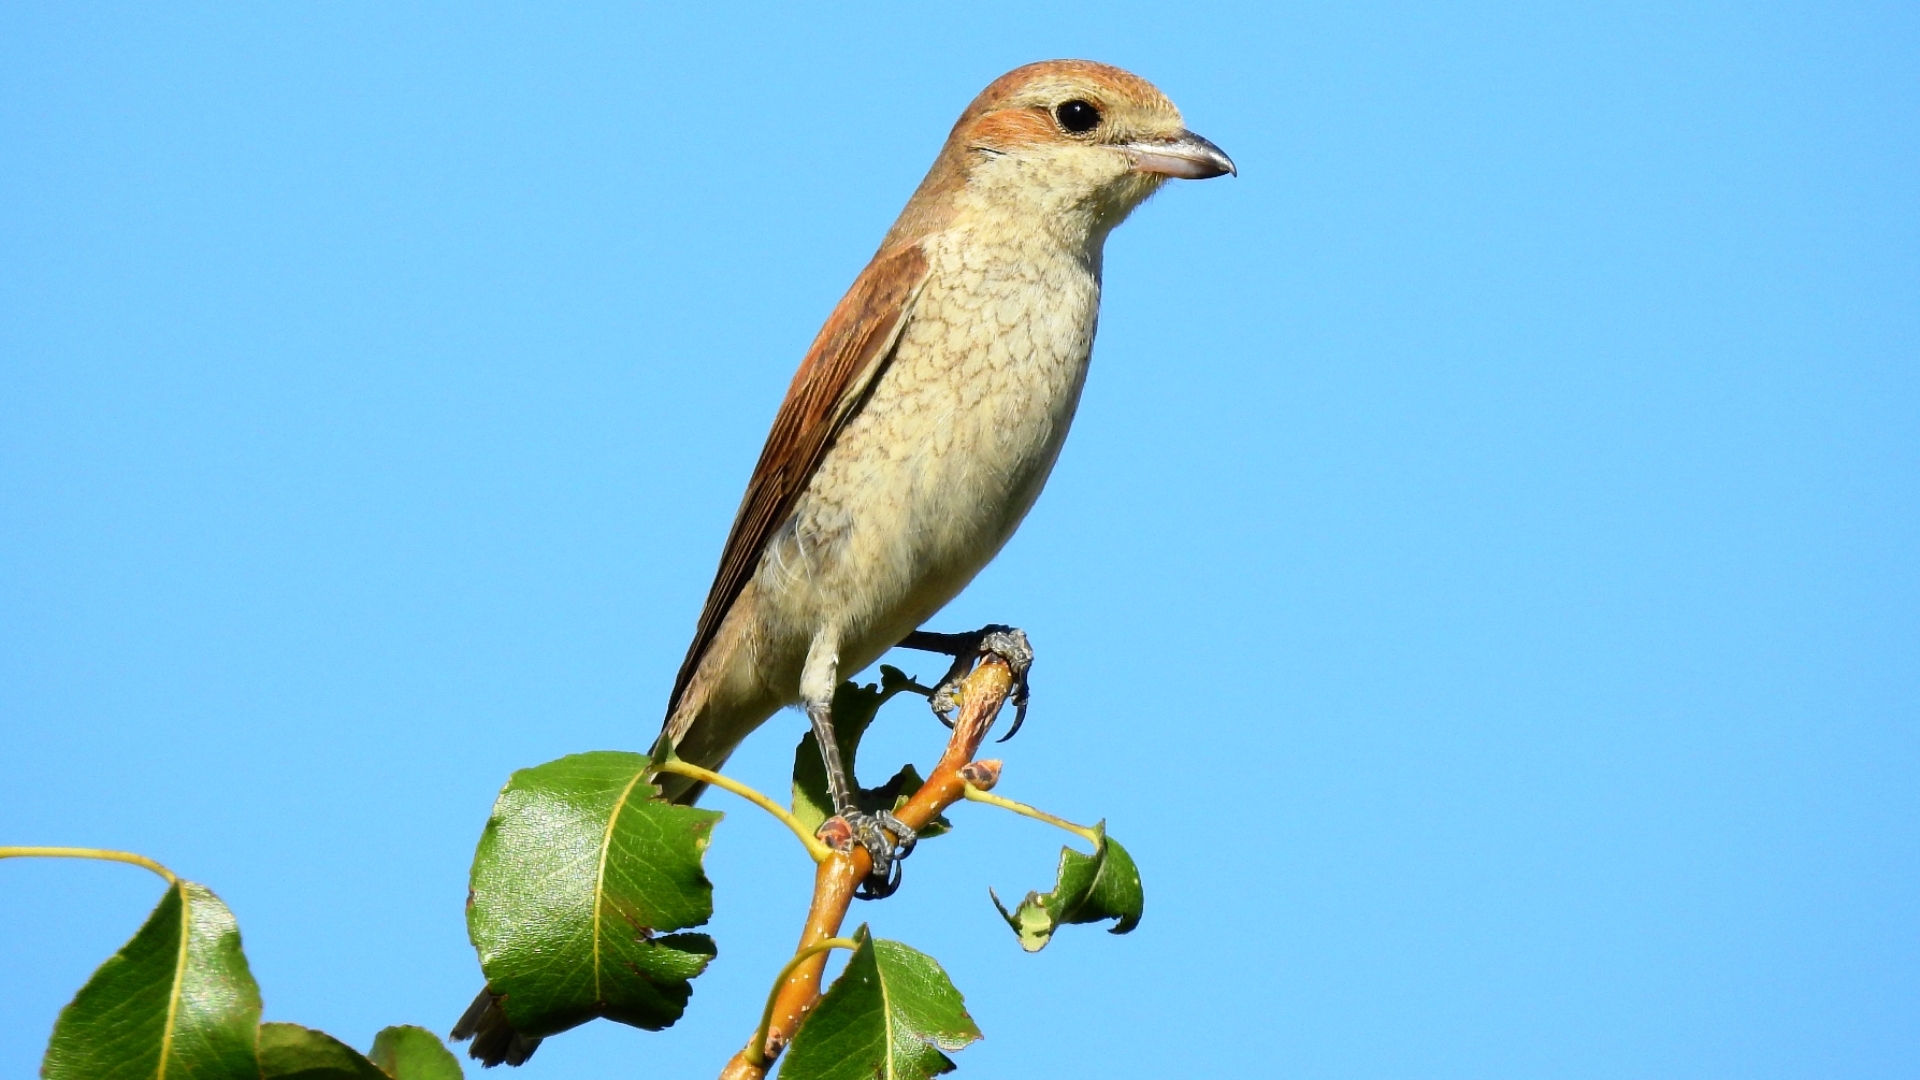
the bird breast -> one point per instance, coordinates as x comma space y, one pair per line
932, 475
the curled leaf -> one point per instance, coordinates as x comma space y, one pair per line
1087, 889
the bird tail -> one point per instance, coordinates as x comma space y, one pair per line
704, 734
494, 1040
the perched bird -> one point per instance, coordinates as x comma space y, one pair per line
922, 422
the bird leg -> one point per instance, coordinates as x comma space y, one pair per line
886, 838
1006, 642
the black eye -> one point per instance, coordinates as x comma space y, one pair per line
1077, 116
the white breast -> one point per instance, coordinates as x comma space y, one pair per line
927, 482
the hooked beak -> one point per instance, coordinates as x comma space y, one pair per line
1185, 156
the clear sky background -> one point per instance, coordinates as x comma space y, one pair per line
1481, 588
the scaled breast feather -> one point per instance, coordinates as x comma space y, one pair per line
850, 352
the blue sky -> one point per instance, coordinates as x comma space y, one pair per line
1481, 586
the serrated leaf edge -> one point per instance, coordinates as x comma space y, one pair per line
935, 1039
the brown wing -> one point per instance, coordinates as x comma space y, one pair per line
851, 349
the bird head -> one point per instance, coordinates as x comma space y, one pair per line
1071, 146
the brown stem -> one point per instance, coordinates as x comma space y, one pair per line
835, 878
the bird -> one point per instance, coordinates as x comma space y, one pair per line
921, 424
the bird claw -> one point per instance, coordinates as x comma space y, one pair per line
886, 839
1007, 643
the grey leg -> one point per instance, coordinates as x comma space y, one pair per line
820, 715
886, 838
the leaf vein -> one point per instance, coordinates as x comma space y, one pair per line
600, 877
179, 978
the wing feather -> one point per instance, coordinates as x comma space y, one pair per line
848, 354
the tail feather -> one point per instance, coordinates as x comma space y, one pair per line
705, 737
494, 1040
680, 790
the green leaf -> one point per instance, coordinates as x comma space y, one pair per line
176, 1000
292, 1052
854, 709
413, 1053
1088, 888
887, 1017
578, 874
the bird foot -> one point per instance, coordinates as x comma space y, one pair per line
1006, 642
887, 840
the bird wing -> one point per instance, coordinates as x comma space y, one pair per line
833, 382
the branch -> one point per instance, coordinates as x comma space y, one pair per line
984, 692
766, 1017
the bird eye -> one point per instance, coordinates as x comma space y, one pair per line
1077, 116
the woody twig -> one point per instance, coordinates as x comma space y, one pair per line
836, 876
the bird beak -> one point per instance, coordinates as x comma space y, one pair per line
1185, 156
